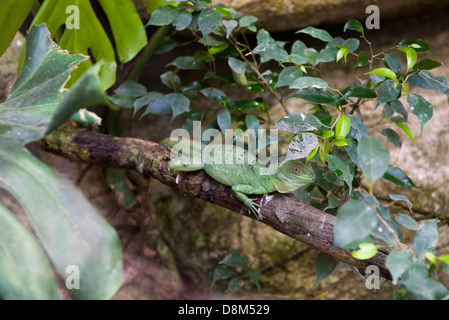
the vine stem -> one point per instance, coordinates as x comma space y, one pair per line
259, 75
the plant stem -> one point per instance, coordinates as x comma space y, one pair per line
153, 44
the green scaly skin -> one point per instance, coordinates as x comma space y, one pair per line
242, 172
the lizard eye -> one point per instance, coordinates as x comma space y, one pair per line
296, 170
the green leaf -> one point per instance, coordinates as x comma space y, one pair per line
406, 129
70, 229
127, 30
373, 157
311, 56
426, 237
426, 64
316, 95
362, 60
406, 221
298, 122
224, 119
353, 25
12, 15
397, 263
132, 88
174, 103
170, 79
237, 65
411, 56
358, 128
234, 285
387, 92
341, 169
386, 72
297, 52
186, 63
208, 20
288, 76
183, 20
247, 21
328, 134
393, 63
342, 127
235, 259
425, 287
163, 15
398, 177
145, 100
117, 181
301, 146
341, 142
359, 92
421, 108
304, 82
324, 151
19, 250
324, 266
36, 94
400, 197
355, 221
252, 123
86, 92
86, 117
328, 54
269, 51
418, 44
230, 25
366, 251
254, 275
222, 272
320, 34
393, 137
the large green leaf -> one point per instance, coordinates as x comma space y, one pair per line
19, 250
127, 29
373, 157
36, 94
68, 226
12, 14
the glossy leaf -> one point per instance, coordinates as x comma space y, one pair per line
36, 94
426, 80
70, 229
359, 92
400, 197
324, 266
406, 129
387, 92
354, 222
373, 157
426, 64
208, 20
174, 103
426, 237
362, 60
235, 259
406, 221
393, 137
301, 146
421, 108
269, 51
183, 20
320, 34
386, 72
19, 249
343, 126
411, 57
288, 76
306, 81
398, 177
393, 63
298, 122
186, 63
163, 15
417, 44
353, 25
366, 251
341, 169
230, 25
397, 263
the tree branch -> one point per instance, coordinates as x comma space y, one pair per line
283, 212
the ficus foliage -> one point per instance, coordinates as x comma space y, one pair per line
331, 135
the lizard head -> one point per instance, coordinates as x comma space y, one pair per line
294, 174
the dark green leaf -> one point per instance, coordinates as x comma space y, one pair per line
355, 221
298, 122
222, 272
324, 266
237, 65
315, 95
400, 197
305, 81
393, 63
423, 47
427, 64
341, 169
171, 79
358, 128
230, 25
421, 108
311, 56
398, 107
70, 229
397, 176
353, 25
132, 88
301, 145
183, 20
247, 21
426, 237
18, 251
406, 221
387, 92
397, 263
174, 103
163, 15
186, 63
269, 51
362, 60
224, 119
252, 123
254, 275
288, 76
352, 44
208, 20
234, 285
327, 55
235, 259
424, 287
323, 35
393, 137
145, 100
373, 157
359, 92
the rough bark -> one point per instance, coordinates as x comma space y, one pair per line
282, 212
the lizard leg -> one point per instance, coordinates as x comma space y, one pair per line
241, 192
